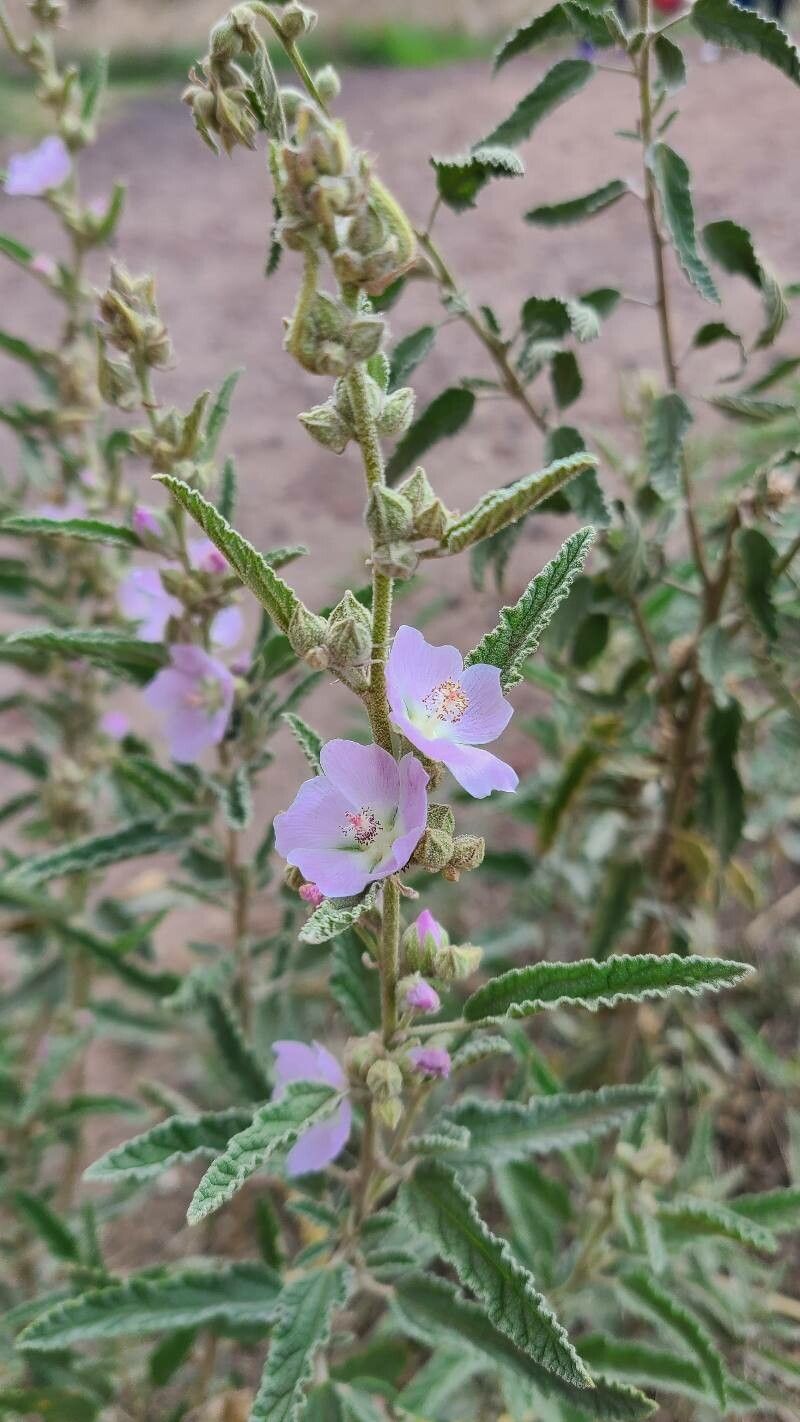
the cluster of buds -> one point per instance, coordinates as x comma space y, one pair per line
341, 642
319, 178
174, 443
385, 1073
326, 337
377, 244
652, 1163
398, 519
442, 851
131, 318
332, 424
427, 949
220, 91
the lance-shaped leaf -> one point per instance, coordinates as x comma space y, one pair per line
565, 19
335, 915
668, 421
114, 651
564, 214
218, 414
244, 1064
646, 1366
588, 983
171, 1142
252, 568
235, 1295
516, 636
723, 793
566, 78
308, 740
303, 1325
16, 251
672, 180
665, 1311
755, 568
130, 841
442, 1210
355, 987
48, 1225
776, 1210
274, 1126
732, 247
501, 1131
726, 23
501, 507
434, 1312
91, 530
409, 353
460, 179
686, 1219
444, 417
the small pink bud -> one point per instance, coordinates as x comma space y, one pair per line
43, 266
145, 521
241, 665
421, 997
431, 1061
115, 724
427, 924
310, 894
205, 557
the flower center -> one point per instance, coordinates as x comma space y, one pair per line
447, 702
363, 826
204, 695
364, 832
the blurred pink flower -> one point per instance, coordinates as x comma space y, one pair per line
320, 1144
195, 694
33, 173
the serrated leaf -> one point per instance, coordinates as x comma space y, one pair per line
441, 419
751, 410
238, 800
645, 1365
516, 636
274, 1126
584, 495
218, 414
460, 179
442, 1210
671, 63
732, 247
443, 1136
725, 23
48, 1225
551, 318
303, 1326
668, 1312
587, 983
130, 841
755, 567
502, 507
479, 1049
566, 78
776, 1210
252, 568
233, 1295
409, 353
672, 180
237, 1054
502, 1131
667, 424
432, 1311
335, 915
355, 987
688, 1218
711, 332
564, 214
309, 741
113, 651
542, 29
92, 530
171, 1142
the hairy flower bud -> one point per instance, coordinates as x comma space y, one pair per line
295, 21
132, 321
417, 995
433, 851
468, 851
421, 941
361, 1053
429, 513
397, 413
395, 560
453, 962
326, 426
384, 1079
306, 633
388, 515
348, 640
328, 84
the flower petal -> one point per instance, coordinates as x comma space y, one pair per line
477, 771
415, 667
412, 814
364, 775
488, 712
314, 820
228, 626
321, 1144
336, 872
299, 1061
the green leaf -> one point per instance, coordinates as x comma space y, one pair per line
435, 1313
171, 1142
62, 1403
335, 915
113, 651
711, 332
169, 1355
583, 495
751, 410
755, 569
355, 987
772, 1209
309, 741
725, 23
92, 530
441, 419
566, 78
237, 1054
516, 636
130, 841
252, 568
94, 86
442, 1210
619, 893
502, 1131
671, 63
22, 350
587, 983
303, 1326
564, 214
542, 29
687, 1218
732, 247
50, 1227
645, 1365
218, 415
230, 1296
274, 1126
566, 378
237, 802
667, 1312
551, 318
672, 180
460, 179
16, 251
504, 506
667, 424
723, 791
409, 353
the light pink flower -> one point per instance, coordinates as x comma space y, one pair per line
39, 170
432, 1061
195, 694
320, 1144
142, 597
447, 711
144, 520
43, 266
206, 557
115, 724
422, 997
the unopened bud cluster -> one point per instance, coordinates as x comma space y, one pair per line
131, 319
442, 851
332, 424
342, 641
401, 518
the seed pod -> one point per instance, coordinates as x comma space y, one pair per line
468, 851
326, 426
395, 560
306, 633
452, 963
388, 515
396, 415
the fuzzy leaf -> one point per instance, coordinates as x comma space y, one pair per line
755, 564
644, 1365
687, 1218
115, 651
434, 1312
671, 63
273, 1127
459, 180
442, 1210
750, 410
551, 318
564, 214
355, 987
171, 1142
665, 1311
672, 179
303, 1325
335, 915
587, 983
92, 530
566, 378
726, 23
237, 801
65, 1404
49, 1226
501, 1131
235, 1051
516, 636
309, 741
234, 1295
479, 1049
772, 1209
409, 353
251, 567
667, 424
566, 78
724, 798
218, 414
504, 506
441, 419
130, 841
732, 247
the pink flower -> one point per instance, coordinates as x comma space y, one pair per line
206, 557
320, 1144
34, 173
427, 926
311, 894
43, 266
115, 724
142, 597
422, 997
447, 711
145, 521
195, 694
357, 822
431, 1061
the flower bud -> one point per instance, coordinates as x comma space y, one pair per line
147, 526
326, 426
388, 515
395, 560
295, 21
293, 879
389, 1112
328, 84
429, 513
451, 963
433, 851
431, 1061
307, 633
468, 851
225, 42
421, 941
349, 634
441, 817
311, 894
360, 1054
384, 1079
365, 336
417, 995
397, 413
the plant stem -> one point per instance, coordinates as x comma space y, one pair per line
390, 956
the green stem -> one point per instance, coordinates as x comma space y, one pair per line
390, 958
